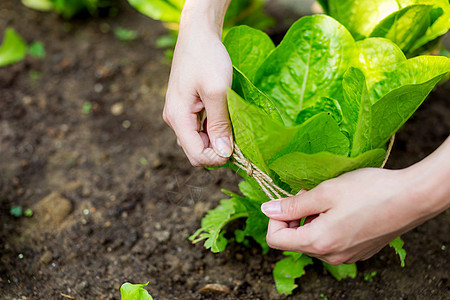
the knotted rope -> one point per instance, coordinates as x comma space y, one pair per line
266, 183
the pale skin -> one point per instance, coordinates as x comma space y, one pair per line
351, 217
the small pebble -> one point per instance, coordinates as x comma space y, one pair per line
214, 288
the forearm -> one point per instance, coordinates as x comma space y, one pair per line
204, 14
429, 184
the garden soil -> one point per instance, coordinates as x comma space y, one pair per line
83, 144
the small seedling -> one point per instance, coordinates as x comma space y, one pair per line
37, 50
369, 276
28, 213
87, 107
124, 34
16, 211
13, 48
129, 291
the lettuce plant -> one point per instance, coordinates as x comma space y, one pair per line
240, 12
416, 26
13, 48
318, 105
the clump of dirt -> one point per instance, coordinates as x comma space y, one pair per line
123, 198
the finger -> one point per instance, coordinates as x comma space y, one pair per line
218, 125
187, 127
294, 208
280, 236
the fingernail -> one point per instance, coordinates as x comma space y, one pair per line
223, 147
271, 208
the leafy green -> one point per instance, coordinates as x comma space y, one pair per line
404, 26
307, 65
248, 48
341, 271
314, 107
331, 121
129, 291
37, 50
216, 219
288, 269
13, 48
397, 244
414, 25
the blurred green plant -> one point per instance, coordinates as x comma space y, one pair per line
416, 26
13, 48
240, 12
36, 49
129, 291
17, 211
67, 8
124, 34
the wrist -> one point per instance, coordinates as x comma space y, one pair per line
428, 191
204, 15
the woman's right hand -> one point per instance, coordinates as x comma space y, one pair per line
201, 72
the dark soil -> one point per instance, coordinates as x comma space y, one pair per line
124, 198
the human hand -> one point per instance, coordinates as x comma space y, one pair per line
201, 72
351, 217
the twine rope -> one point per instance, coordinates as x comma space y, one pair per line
266, 183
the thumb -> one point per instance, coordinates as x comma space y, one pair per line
219, 125
292, 208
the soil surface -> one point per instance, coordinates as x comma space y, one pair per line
115, 199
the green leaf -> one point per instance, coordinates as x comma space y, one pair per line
288, 269
124, 34
404, 26
324, 104
41, 5
356, 111
392, 111
415, 25
13, 48
361, 16
216, 219
37, 50
254, 131
248, 48
254, 95
341, 271
305, 171
308, 64
440, 24
16, 211
397, 244
129, 291
162, 10
377, 57
318, 134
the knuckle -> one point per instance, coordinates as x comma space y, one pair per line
289, 207
218, 126
215, 92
